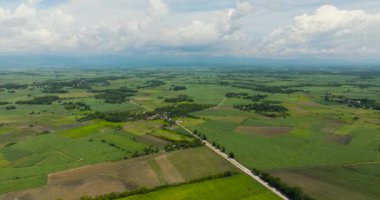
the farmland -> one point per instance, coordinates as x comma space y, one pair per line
128, 175
237, 187
314, 126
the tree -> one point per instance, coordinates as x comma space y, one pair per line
204, 137
231, 155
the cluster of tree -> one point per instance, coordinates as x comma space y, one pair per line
257, 97
267, 88
77, 105
151, 150
115, 96
293, 193
236, 95
13, 86
147, 151
10, 108
275, 89
179, 99
4, 103
58, 85
177, 88
35, 113
45, 100
218, 146
181, 110
244, 95
152, 83
265, 108
200, 135
356, 103
178, 145
114, 116
144, 190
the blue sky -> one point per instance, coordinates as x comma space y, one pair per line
237, 28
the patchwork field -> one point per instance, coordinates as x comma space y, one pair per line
318, 129
147, 171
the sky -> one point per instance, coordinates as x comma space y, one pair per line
236, 28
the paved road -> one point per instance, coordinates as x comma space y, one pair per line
238, 165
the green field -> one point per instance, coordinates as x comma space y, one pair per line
238, 187
344, 182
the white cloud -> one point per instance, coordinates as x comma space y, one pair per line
153, 26
158, 8
26, 29
29, 29
327, 31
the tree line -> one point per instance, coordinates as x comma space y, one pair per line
152, 84
179, 145
181, 110
265, 108
115, 96
244, 95
267, 88
13, 86
352, 102
293, 193
77, 105
45, 100
179, 99
144, 190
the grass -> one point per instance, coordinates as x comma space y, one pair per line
307, 144
169, 135
22, 183
211, 164
336, 182
95, 127
238, 187
42, 155
153, 128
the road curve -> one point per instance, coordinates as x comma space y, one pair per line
237, 164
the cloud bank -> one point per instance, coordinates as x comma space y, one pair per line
164, 27
327, 31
